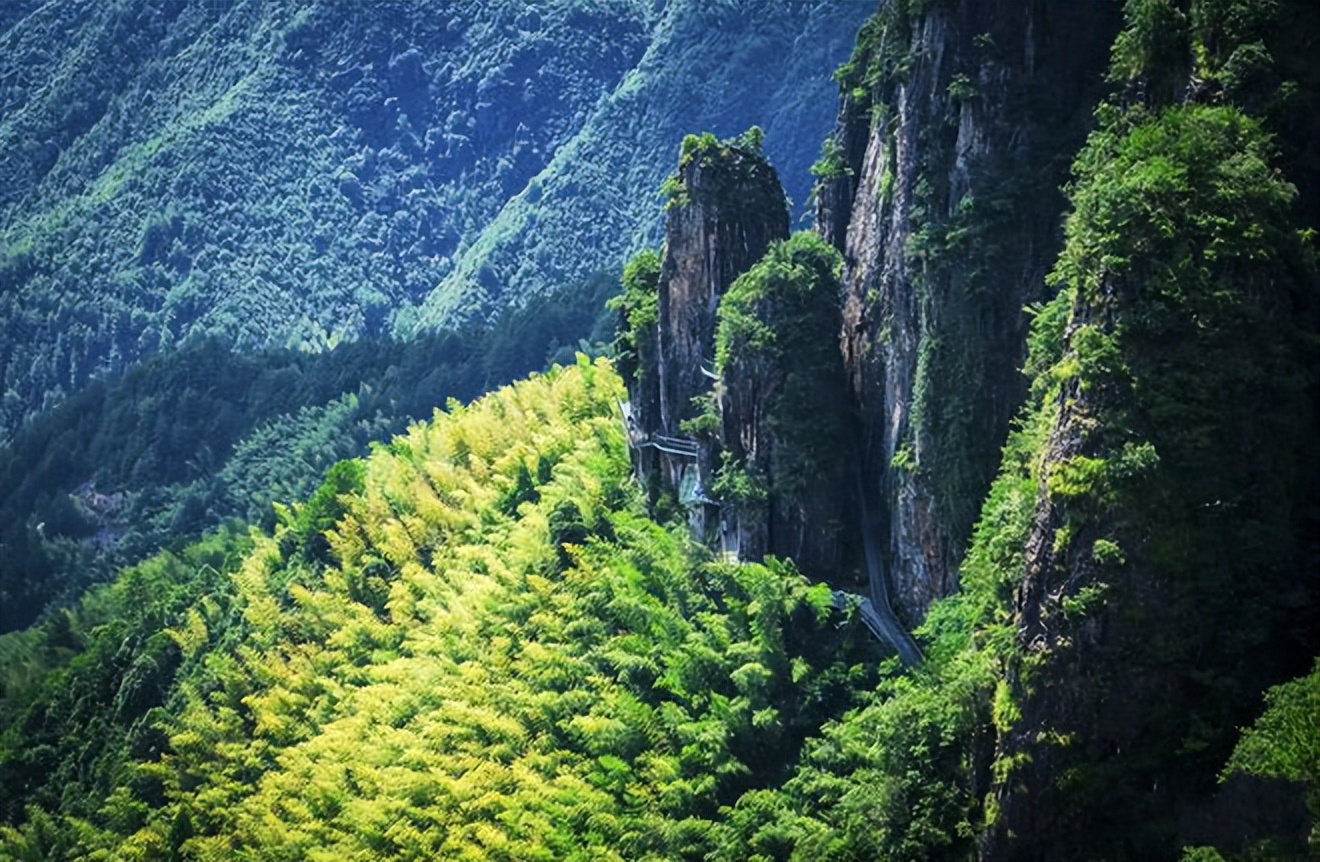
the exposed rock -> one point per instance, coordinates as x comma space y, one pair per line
726, 208
952, 222
785, 417
730, 207
756, 442
1160, 582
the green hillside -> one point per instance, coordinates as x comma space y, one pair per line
490, 652
190, 438
222, 224
559, 620
296, 175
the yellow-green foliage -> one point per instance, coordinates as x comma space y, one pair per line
1284, 742
477, 664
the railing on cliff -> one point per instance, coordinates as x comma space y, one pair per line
875, 610
683, 447
679, 447
888, 631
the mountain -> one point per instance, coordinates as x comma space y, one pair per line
1107, 558
297, 175
977, 522
222, 223
1143, 565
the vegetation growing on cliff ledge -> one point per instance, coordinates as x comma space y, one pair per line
781, 405
731, 159
637, 308
1177, 455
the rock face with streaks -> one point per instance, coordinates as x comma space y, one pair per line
957, 127
727, 210
726, 207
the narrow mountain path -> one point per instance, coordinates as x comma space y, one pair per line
877, 611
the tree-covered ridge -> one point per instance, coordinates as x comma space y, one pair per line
473, 644
286, 174
194, 436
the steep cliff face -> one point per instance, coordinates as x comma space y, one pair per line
941, 189
1167, 568
726, 207
1159, 574
738, 401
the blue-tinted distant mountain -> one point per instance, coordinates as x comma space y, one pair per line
287, 174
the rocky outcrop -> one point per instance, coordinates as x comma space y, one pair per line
1159, 580
739, 405
785, 419
1162, 583
957, 129
726, 207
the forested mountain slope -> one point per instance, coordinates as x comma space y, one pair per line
473, 644
294, 175
342, 195
189, 438
500, 636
